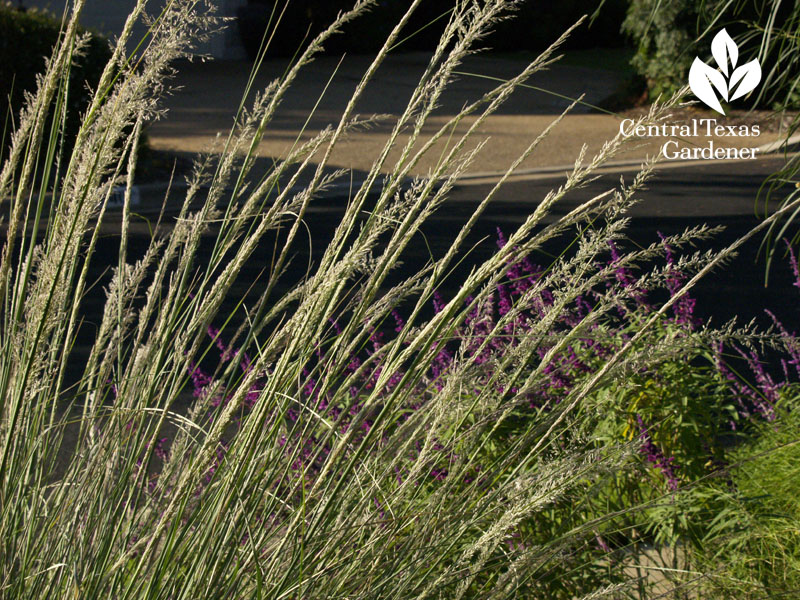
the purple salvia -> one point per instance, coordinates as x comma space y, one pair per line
246, 363
576, 363
667, 248
225, 353
793, 263
582, 306
765, 383
309, 389
441, 363
656, 457
398, 321
394, 380
159, 450
199, 379
353, 365
438, 302
336, 327
504, 305
742, 393
439, 474
501, 239
791, 343
251, 397
376, 337
621, 273
683, 309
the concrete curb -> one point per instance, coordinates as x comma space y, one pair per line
792, 146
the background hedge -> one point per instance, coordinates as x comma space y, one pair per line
26, 38
668, 35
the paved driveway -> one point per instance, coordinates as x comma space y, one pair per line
210, 92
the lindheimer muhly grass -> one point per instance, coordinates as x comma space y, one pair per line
345, 498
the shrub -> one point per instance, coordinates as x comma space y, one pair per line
26, 40
753, 542
668, 35
664, 33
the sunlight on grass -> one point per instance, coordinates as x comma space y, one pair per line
345, 430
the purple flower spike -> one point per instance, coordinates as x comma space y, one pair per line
504, 305
200, 380
683, 309
656, 457
791, 343
438, 302
501, 239
793, 263
622, 274
225, 353
768, 388
336, 327
399, 322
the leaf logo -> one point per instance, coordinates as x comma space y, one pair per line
704, 79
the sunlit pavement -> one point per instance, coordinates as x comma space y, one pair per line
209, 95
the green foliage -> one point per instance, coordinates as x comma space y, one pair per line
753, 542
686, 407
664, 34
680, 410
26, 40
668, 36
770, 31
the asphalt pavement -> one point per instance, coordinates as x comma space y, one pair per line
681, 193
207, 96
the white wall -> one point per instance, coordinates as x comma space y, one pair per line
108, 16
